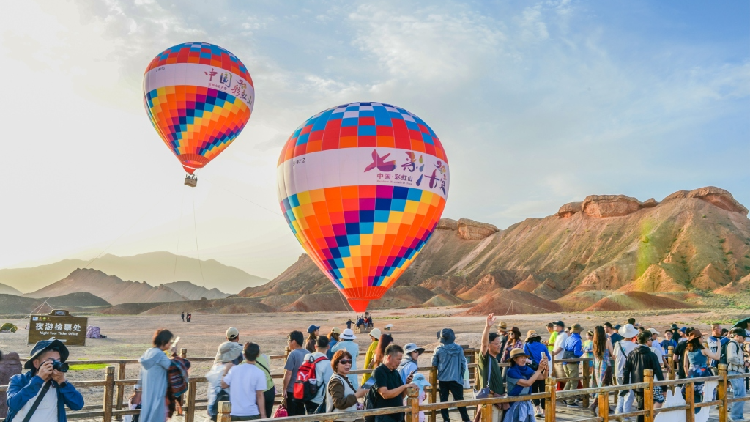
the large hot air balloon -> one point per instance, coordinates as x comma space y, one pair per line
198, 96
362, 186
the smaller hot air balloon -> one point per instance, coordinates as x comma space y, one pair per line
362, 186
198, 97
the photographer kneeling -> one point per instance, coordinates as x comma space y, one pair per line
40, 395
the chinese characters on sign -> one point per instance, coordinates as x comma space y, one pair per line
59, 325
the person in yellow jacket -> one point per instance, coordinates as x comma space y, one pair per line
370, 355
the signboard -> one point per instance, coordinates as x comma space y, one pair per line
59, 325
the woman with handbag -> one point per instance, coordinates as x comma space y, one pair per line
341, 395
520, 379
695, 362
537, 353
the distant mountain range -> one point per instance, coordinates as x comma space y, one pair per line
116, 291
7, 290
154, 268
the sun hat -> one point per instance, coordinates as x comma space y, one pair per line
628, 331
411, 347
420, 381
375, 333
531, 334
228, 351
590, 332
653, 331
695, 333
313, 328
502, 325
43, 346
577, 328
335, 330
389, 327
348, 334
232, 332
516, 353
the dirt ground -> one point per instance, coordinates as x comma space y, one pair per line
129, 336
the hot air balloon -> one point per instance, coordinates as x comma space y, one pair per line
199, 97
362, 186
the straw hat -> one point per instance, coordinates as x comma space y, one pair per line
531, 334
516, 353
576, 328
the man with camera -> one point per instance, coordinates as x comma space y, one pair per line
41, 394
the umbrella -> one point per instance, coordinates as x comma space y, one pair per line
743, 323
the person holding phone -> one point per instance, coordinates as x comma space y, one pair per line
520, 378
341, 393
154, 365
537, 353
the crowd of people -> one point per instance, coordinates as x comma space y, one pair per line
318, 374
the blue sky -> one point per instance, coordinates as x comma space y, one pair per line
537, 104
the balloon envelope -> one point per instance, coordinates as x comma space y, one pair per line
362, 186
199, 97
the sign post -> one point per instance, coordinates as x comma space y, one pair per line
60, 325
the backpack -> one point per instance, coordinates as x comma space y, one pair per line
177, 376
724, 358
306, 386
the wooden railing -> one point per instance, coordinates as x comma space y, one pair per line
114, 384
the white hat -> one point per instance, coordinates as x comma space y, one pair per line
348, 334
228, 351
628, 331
654, 331
375, 333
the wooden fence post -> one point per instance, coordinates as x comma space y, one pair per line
722, 393
225, 412
487, 412
120, 389
671, 375
190, 401
109, 388
433, 392
648, 395
413, 394
690, 399
549, 406
604, 406
586, 381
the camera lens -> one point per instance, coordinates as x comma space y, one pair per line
59, 366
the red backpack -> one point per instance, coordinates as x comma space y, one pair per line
306, 385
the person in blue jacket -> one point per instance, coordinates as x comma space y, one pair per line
44, 385
537, 352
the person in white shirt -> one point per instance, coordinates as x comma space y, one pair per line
558, 351
323, 373
656, 346
248, 383
622, 350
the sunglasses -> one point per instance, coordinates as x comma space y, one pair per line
345, 361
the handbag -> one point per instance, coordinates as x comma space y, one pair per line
280, 412
485, 392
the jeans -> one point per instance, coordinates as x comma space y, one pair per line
571, 370
245, 418
294, 407
268, 398
457, 390
624, 403
395, 417
311, 407
738, 386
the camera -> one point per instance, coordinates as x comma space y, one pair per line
59, 366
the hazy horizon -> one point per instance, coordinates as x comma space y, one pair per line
536, 103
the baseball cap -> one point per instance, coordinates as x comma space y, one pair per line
411, 347
335, 330
232, 332
311, 329
653, 331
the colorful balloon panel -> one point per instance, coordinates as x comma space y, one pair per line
198, 97
362, 186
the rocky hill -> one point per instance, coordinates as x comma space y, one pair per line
153, 267
7, 290
691, 243
74, 302
108, 287
193, 292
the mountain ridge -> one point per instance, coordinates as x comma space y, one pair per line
153, 267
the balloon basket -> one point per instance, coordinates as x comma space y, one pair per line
191, 180
364, 330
